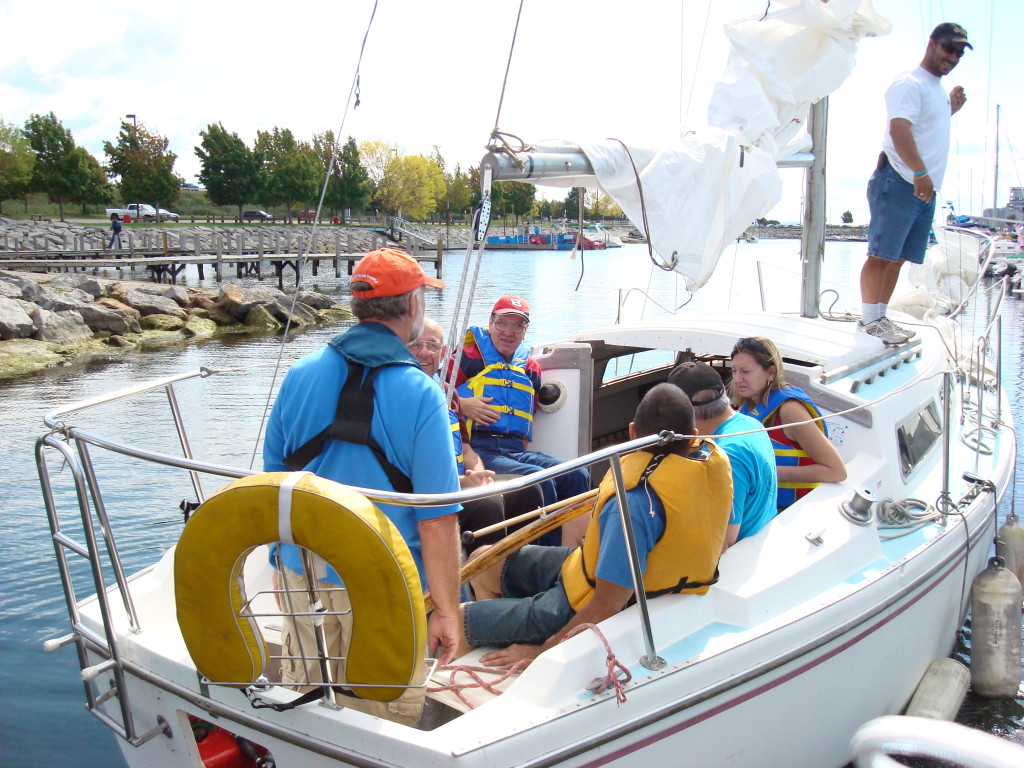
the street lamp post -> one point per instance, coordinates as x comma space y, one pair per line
134, 123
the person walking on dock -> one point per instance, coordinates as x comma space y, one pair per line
115, 231
901, 192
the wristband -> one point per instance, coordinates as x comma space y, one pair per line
921, 173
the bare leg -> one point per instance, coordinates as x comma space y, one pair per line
486, 584
878, 280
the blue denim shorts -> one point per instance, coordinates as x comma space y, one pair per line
900, 222
533, 605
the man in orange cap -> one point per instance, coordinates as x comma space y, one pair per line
362, 412
498, 382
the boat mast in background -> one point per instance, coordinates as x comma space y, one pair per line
812, 240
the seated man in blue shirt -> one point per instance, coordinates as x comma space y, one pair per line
679, 498
754, 477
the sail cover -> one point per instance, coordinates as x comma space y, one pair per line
702, 191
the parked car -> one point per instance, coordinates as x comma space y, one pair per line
136, 211
256, 216
166, 215
309, 216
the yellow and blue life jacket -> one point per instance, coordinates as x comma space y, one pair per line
506, 381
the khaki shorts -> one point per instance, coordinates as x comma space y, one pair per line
298, 639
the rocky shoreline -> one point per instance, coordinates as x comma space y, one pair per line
49, 320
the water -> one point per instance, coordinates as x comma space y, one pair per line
44, 722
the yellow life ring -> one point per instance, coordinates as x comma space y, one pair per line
389, 627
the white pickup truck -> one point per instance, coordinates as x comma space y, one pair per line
137, 211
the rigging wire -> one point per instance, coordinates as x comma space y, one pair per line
354, 91
508, 67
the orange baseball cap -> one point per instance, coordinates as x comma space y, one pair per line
391, 273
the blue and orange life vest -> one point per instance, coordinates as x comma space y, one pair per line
507, 382
696, 492
787, 452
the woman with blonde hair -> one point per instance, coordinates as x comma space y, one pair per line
804, 456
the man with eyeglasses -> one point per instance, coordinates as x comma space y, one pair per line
491, 510
498, 382
901, 192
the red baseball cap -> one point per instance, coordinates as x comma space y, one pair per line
512, 305
391, 273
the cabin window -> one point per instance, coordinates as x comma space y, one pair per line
917, 435
636, 363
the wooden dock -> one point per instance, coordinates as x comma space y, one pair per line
167, 262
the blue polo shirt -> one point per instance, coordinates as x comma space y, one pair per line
410, 423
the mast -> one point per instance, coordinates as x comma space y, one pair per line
812, 239
995, 179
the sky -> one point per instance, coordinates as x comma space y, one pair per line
432, 74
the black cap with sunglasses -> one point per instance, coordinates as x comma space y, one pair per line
947, 32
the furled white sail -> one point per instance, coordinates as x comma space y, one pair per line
702, 191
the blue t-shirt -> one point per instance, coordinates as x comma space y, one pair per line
410, 423
754, 476
648, 516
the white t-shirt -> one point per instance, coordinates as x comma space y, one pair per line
918, 96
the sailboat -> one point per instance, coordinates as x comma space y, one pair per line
826, 618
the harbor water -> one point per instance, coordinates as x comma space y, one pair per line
44, 723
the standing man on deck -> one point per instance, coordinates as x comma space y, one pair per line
901, 192
362, 412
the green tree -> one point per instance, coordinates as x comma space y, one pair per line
353, 182
573, 201
16, 162
460, 191
519, 198
59, 170
145, 167
411, 186
231, 171
97, 189
348, 184
291, 169
847, 217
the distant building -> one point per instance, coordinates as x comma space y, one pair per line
1016, 203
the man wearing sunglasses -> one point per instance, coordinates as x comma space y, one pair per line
901, 192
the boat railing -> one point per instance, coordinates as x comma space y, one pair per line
74, 445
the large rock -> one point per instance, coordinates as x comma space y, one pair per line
301, 315
238, 302
162, 323
9, 290
120, 307
199, 327
61, 327
15, 322
30, 289
178, 295
99, 317
315, 300
259, 319
89, 285
23, 356
147, 304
